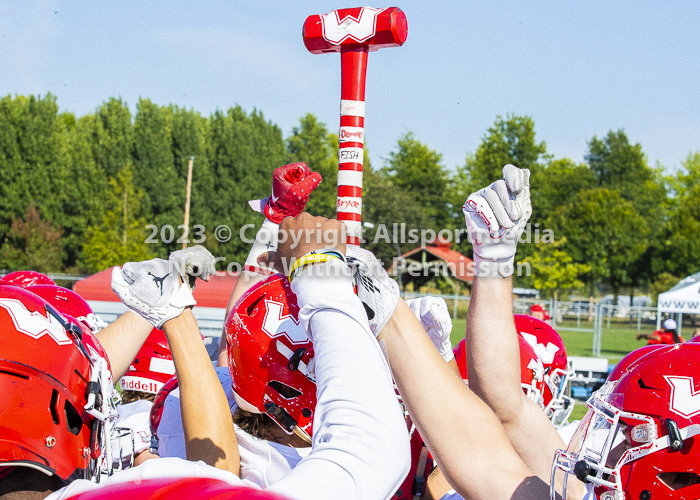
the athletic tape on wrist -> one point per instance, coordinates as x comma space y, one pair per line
311, 258
265, 241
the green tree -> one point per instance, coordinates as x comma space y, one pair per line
557, 184
113, 136
688, 178
154, 168
664, 282
416, 169
510, 140
603, 231
32, 158
676, 249
553, 270
622, 166
84, 187
33, 244
384, 205
189, 138
122, 235
243, 152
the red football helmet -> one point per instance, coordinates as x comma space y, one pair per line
271, 358
152, 367
550, 349
639, 441
57, 409
531, 369
68, 302
192, 488
629, 361
23, 279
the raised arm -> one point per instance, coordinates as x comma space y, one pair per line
496, 217
360, 441
460, 430
291, 186
123, 338
206, 417
493, 358
159, 292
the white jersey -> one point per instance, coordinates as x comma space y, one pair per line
360, 441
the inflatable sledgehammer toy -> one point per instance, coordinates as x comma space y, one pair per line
353, 32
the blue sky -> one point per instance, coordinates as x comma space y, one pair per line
578, 69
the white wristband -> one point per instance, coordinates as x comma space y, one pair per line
501, 268
265, 241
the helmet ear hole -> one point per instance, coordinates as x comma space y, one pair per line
679, 480
252, 306
73, 421
52, 407
284, 390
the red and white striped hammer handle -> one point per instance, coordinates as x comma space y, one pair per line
353, 32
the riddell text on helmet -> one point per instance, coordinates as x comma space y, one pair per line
139, 384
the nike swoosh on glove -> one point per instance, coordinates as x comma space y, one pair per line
152, 289
291, 186
435, 319
194, 262
377, 291
496, 217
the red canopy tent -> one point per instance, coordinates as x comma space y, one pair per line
212, 293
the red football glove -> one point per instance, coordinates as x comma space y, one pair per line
291, 187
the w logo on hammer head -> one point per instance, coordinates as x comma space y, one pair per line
359, 28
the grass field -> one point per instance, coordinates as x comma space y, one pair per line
617, 341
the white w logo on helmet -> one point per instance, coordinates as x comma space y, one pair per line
336, 30
546, 354
276, 324
34, 323
685, 400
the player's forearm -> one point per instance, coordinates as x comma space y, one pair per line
493, 360
122, 340
456, 425
206, 416
493, 353
360, 437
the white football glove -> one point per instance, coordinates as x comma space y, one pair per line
152, 289
195, 262
435, 319
377, 291
496, 217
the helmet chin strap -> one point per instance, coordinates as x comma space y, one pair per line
298, 431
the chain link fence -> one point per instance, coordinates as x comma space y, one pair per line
589, 328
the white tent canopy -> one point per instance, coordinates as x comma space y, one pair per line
684, 298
